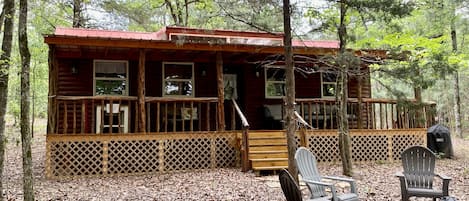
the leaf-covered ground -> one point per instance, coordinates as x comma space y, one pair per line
375, 181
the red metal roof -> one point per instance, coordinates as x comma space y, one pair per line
164, 33
316, 43
79, 32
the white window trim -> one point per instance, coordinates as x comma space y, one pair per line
266, 82
177, 80
322, 87
127, 87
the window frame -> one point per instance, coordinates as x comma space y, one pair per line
266, 84
328, 83
126, 79
192, 80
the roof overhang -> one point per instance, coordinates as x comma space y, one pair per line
176, 45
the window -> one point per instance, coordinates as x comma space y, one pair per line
274, 82
110, 77
178, 79
328, 82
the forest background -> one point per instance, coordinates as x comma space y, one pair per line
423, 31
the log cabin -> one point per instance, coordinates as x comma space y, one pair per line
182, 98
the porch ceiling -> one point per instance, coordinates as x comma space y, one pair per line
91, 52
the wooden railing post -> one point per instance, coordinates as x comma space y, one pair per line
244, 138
245, 151
302, 137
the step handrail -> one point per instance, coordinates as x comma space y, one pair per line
243, 118
244, 140
301, 121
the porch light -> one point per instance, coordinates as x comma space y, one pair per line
74, 69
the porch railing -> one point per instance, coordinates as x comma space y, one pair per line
112, 114
368, 113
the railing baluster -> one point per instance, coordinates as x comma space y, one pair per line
111, 111
102, 116
57, 125
74, 129
174, 116
192, 116
216, 116
148, 111
183, 118
166, 117
332, 114
158, 110
93, 118
199, 114
207, 119
83, 116
65, 118
119, 120
386, 113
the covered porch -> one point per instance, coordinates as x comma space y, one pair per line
199, 140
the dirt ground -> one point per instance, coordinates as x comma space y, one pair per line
375, 181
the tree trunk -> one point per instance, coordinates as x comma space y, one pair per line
342, 97
9, 10
78, 20
290, 91
28, 178
457, 98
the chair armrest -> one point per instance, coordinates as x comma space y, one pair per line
446, 180
353, 188
317, 182
339, 178
327, 185
443, 177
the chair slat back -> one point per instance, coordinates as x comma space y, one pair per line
306, 162
289, 187
419, 167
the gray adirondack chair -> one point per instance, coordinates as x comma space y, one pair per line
290, 189
417, 179
306, 163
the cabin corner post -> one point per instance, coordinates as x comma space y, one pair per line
52, 95
141, 92
221, 93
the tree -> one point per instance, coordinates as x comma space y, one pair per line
345, 144
28, 178
25, 102
290, 90
151, 15
9, 10
351, 13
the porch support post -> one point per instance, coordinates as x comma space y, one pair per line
360, 102
52, 101
221, 93
141, 92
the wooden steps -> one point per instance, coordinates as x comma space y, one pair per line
268, 150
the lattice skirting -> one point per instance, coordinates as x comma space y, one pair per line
70, 156
367, 145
